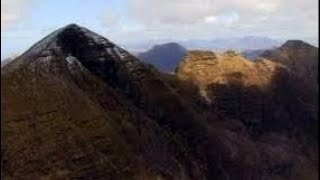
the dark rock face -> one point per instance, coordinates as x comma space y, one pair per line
77, 106
165, 57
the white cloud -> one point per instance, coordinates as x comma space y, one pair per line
267, 6
110, 18
153, 12
12, 11
211, 18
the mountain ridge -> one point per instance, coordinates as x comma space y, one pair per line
77, 106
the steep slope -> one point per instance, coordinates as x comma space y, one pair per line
76, 106
165, 57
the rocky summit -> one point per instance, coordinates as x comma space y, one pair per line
77, 106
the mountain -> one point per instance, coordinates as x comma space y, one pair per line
77, 106
6, 61
165, 57
234, 43
300, 57
215, 73
263, 95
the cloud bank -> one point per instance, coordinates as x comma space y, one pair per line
208, 18
12, 11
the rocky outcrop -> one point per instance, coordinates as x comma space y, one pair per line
205, 67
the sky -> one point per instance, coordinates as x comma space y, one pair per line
130, 22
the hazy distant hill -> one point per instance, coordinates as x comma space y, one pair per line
252, 54
165, 56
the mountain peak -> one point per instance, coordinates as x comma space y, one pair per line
72, 25
66, 39
72, 41
295, 44
169, 45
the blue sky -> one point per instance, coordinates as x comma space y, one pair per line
130, 22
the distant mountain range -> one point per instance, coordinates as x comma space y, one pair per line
215, 44
253, 54
167, 56
237, 43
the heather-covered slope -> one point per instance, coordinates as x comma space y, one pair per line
206, 67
